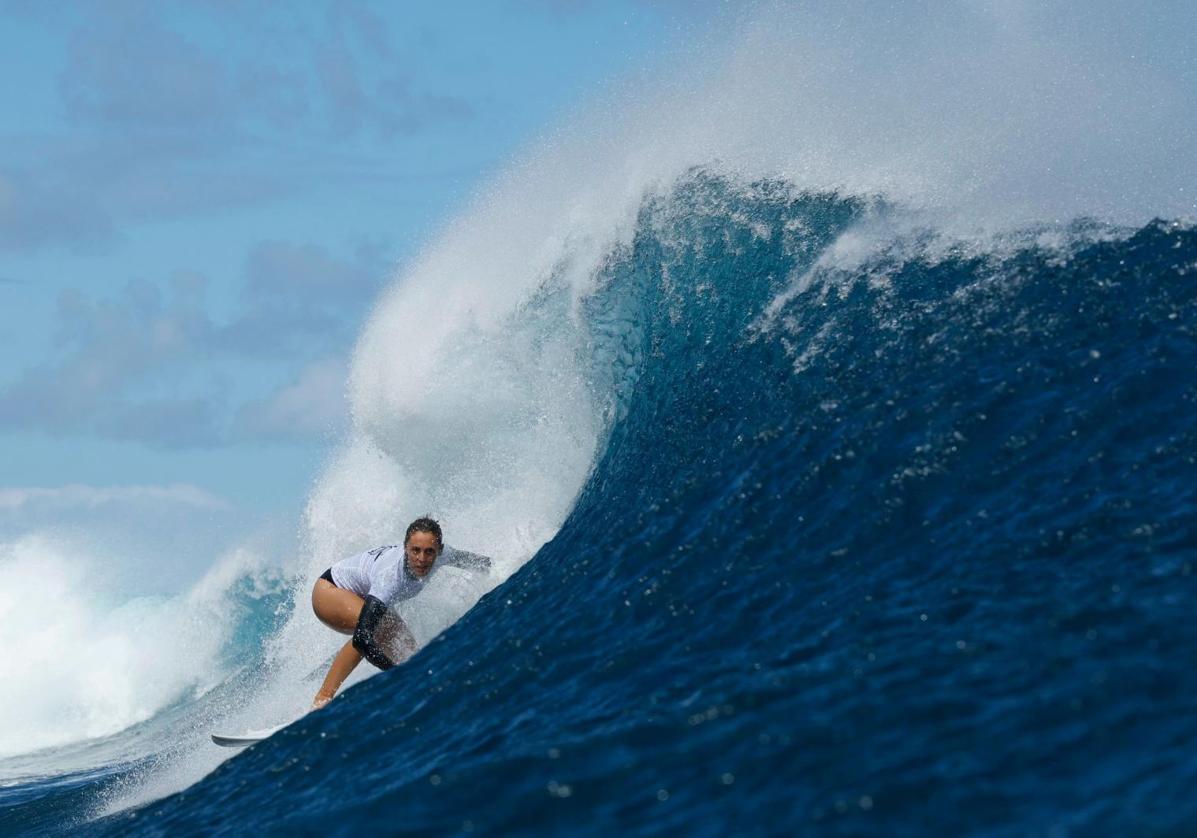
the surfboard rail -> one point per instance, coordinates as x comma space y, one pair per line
244, 740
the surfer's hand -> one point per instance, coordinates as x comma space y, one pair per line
320, 701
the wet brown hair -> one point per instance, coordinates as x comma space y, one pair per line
428, 525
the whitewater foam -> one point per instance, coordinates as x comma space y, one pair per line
85, 661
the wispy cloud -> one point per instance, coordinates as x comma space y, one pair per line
164, 121
37, 211
147, 363
384, 99
300, 299
85, 496
107, 348
307, 274
127, 69
683, 8
343, 76
313, 406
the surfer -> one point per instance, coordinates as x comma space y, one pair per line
355, 594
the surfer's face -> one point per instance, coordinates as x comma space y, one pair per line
422, 551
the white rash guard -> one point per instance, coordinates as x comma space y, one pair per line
382, 572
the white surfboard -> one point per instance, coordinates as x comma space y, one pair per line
242, 740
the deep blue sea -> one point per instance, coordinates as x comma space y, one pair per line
904, 546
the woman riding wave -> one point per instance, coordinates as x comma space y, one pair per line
355, 596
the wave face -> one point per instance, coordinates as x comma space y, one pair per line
884, 532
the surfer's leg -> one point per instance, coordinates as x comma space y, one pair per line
394, 636
336, 607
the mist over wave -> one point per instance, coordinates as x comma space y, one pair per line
702, 371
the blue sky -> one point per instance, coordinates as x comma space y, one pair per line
199, 203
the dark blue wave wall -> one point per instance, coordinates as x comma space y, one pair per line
916, 558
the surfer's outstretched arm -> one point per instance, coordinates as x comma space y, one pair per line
466, 560
344, 663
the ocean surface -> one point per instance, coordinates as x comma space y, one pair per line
904, 548
811, 514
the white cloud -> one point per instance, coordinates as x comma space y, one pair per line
314, 405
80, 495
174, 113
146, 363
304, 273
111, 351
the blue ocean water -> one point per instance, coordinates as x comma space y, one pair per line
899, 545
